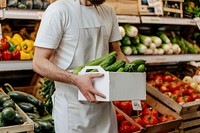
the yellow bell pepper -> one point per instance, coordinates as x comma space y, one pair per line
14, 41
8, 37
24, 55
18, 37
27, 45
31, 53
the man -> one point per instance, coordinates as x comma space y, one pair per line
73, 32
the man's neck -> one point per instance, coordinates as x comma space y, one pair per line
85, 3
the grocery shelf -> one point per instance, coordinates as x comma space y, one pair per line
128, 19
22, 14
167, 20
166, 58
15, 65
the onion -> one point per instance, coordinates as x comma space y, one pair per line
187, 79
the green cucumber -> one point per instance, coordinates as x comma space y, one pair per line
33, 116
9, 103
8, 114
121, 69
94, 62
27, 107
115, 66
141, 68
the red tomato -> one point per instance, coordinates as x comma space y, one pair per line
150, 111
134, 128
125, 122
174, 86
138, 120
167, 77
163, 89
144, 105
150, 76
191, 91
184, 99
120, 118
194, 96
158, 80
177, 92
174, 78
124, 106
149, 120
124, 129
165, 118
116, 103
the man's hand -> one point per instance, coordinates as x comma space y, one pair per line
85, 85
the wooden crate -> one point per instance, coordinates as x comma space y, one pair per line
173, 10
129, 119
124, 7
27, 126
180, 109
2, 4
161, 108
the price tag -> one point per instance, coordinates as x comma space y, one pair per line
158, 8
197, 20
0, 32
136, 105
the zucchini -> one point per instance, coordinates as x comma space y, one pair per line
8, 114
46, 125
37, 127
4, 98
33, 116
2, 121
19, 96
94, 62
46, 118
27, 107
115, 66
18, 119
9, 103
141, 68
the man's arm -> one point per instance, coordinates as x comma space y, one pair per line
43, 66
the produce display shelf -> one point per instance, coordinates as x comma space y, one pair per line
166, 58
22, 14
167, 20
128, 19
15, 65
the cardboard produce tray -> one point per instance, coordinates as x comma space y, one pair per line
27, 126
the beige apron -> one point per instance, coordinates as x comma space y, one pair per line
70, 115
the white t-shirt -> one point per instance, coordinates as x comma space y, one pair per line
60, 24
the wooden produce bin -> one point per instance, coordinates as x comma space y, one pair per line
162, 109
27, 126
124, 7
164, 127
129, 119
189, 111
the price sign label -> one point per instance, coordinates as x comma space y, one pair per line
151, 2
197, 20
136, 105
158, 8
0, 31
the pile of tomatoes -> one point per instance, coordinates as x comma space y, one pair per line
172, 86
148, 116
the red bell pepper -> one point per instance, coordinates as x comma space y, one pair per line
0, 56
16, 55
4, 46
6, 55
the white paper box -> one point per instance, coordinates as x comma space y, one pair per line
118, 86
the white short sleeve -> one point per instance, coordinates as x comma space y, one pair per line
51, 27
